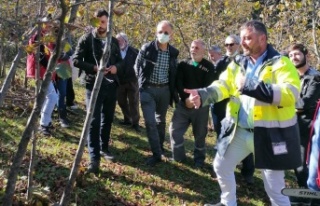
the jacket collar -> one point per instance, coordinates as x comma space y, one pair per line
172, 51
271, 52
157, 48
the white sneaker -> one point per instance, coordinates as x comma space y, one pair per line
64, 123
75, 106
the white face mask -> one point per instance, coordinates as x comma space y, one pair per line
163, 38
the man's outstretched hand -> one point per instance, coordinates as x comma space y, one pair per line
194, 97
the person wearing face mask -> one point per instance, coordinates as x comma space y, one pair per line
128, 91
155, 68
305, 108
194, 72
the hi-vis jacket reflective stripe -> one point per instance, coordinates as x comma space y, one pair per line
275, 91
279, 82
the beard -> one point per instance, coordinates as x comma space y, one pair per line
246, 52
101, 31
251, 51
302, 63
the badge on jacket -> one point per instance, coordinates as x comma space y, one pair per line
279, 148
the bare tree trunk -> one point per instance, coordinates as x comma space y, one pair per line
1, 59
25, 81
33, 155
75, 167
73, 11
314, 30
32, 121
11, 73
17, 48
37, 59
33, 158
3, 66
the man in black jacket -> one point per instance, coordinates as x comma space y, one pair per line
87, 57
309, 95
128, 91
194, 72
156, 70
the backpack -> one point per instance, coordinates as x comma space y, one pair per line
313, 154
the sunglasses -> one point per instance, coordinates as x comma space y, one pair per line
165, 32
231, 45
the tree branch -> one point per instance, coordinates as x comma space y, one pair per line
32, 121
76, 164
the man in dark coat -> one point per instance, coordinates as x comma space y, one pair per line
309, 95
156, 70
128, 91
87, 58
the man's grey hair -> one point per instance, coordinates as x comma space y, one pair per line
165, 22
201, 42
257, 27
235, 38
124, 36
215, 48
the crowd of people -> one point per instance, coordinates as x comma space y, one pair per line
262, 103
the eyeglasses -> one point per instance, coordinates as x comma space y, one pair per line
165, 32
231, 45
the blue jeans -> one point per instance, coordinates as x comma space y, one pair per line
61, 85
154, 105
102, 118
314, 156
48, 105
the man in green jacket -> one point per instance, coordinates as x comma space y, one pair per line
263, 88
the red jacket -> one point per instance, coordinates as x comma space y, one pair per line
31, 60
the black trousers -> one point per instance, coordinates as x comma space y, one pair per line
302, 172
247, 169
102, 118
70, 93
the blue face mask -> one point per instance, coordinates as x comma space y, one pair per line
163, 38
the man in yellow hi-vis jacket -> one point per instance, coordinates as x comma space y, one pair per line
263, 88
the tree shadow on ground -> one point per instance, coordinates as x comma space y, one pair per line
183, 174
